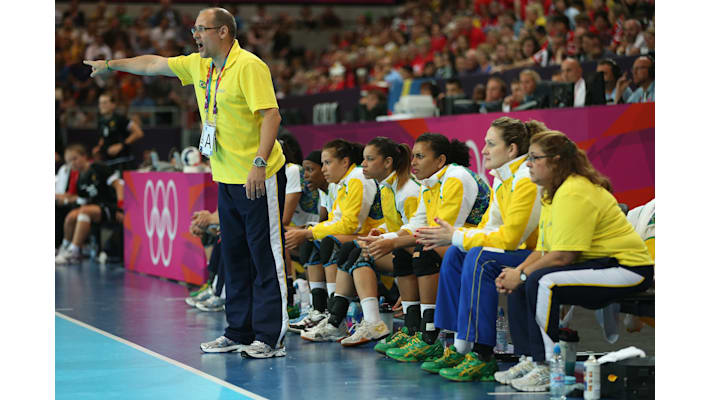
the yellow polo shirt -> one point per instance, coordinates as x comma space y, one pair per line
245, 88
585, 217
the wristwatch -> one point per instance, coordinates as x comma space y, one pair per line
523, 276
259, 162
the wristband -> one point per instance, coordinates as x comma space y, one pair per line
119, 204
107, 66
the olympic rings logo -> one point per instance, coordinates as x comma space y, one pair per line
160, 217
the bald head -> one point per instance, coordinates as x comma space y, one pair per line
220, 16
571, 70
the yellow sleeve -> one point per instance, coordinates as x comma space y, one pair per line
183, 66
410, 206
485, 217
453, 194
256, 83
349, 203
574, 221
418, 218
650, 246
509, 233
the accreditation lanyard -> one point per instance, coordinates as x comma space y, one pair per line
217, 85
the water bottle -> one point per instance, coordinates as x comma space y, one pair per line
592, 379
557, 370
502, 330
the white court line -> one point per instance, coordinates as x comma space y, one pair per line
516, 393
164, 358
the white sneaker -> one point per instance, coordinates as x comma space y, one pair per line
524, 366
262, 350
222, 345
214, 303
365, 332
310, 321
67, 257
538, 380
202, 296
325, 332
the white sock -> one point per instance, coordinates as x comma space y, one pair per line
331, 288
407, 304
430, 326
317, 285
371, 309
424, 307
74, 249
463, 346
304, 293
65, 243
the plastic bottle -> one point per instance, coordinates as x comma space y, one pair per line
502, 330
557, 371
592, 379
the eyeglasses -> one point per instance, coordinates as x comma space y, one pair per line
202, 29
533, 158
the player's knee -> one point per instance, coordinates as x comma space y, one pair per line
425, 262
329, 250
402, 263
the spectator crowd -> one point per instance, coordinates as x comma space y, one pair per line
443, 39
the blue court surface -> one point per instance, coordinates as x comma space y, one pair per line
123, 335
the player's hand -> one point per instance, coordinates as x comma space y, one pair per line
201, 218
255, 183
98, 67
294, 238
119, 216
435, 236
381, 247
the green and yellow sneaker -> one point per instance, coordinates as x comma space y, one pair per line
200, 289
293, 311
416, 350
471, 369
449, 359
395, 340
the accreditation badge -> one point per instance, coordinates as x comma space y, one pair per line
207, 139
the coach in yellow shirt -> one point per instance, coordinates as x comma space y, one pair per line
587, 253
240, 118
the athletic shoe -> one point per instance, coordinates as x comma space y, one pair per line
302, 314
293, 311
449, 359
200, 289
310, 321
365, 332
214, 303
262, 350
471, 369
538, 380
394, 341
202, 296
417, 350
325, 332
524, 366
67, 257
221, 345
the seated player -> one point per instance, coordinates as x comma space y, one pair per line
451, 192
388, 163
348, 218
100, 197
466, 298
587, 252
